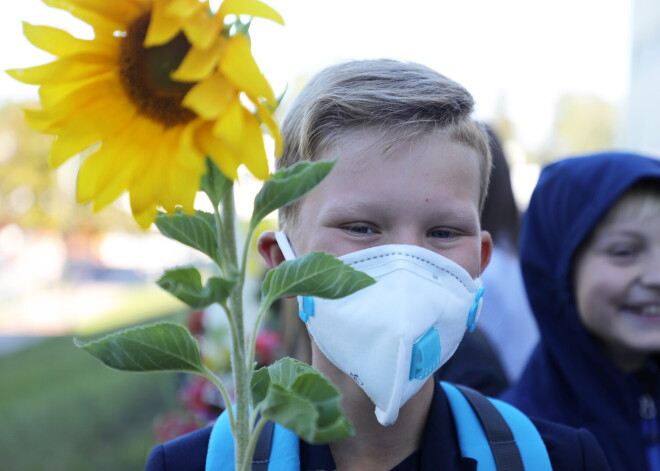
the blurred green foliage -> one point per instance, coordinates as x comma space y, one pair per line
62, 411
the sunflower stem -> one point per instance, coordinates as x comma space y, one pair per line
221, 247
252, 444
241, 371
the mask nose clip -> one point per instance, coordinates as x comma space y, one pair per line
306, 308
425, 355
475, 309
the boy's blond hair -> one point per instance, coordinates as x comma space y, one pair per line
400, 100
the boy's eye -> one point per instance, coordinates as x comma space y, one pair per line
442, 234
358, 228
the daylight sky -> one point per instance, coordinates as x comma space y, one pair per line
520, 53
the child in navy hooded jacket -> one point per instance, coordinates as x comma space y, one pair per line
590, 255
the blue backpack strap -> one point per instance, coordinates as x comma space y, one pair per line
498, 433
284, 448
220, 453
474, 440
261, 455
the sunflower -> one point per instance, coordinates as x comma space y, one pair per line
162, 85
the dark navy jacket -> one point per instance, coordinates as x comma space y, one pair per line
568, 378
569, 449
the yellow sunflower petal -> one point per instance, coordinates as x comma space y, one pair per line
67, 145
254, 154
121, 11
60, 43
91, 174
213, 146
179, 189
230, 126
202, 30
145, 218
240, 67
143, 190
72, 97
267, 118
184, 178
190, 156
126, 152
166, 153
186, 8
226, 161
42, 121
101, 168
162, 27
52, 94
150, 172
87, 109
89, 13
114, 188
249, 7
199, 64
62, 70
210, 98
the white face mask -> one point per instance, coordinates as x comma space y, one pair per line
393, 335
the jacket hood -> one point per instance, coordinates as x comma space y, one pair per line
570, 198
568, 378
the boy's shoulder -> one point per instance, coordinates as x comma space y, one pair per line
185, 453
568, 448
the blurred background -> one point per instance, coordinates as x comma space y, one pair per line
552, 78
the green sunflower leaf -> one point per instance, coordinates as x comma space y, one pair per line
186, 284
163, 346
214, 183
287, 185
315, 274
194, 230
300, 398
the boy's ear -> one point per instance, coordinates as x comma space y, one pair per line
269, 249
486, 249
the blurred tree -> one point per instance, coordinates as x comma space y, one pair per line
583, 124
501, 123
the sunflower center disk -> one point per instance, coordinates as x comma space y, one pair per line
145, 75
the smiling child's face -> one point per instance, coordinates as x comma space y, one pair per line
617, 287
424, 193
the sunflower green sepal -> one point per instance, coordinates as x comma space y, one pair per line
215, 184
186, 285
287, 185
300, 398
197, 230
315, 274
164, 346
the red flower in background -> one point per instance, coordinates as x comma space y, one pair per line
267, 348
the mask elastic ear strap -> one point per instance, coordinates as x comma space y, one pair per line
285, 245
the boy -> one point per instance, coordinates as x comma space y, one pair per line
590, 254
410, 179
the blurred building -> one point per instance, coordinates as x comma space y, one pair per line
643, 113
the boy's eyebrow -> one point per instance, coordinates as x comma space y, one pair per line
453, 214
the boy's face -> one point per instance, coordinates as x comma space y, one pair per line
423, 193
617, 287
